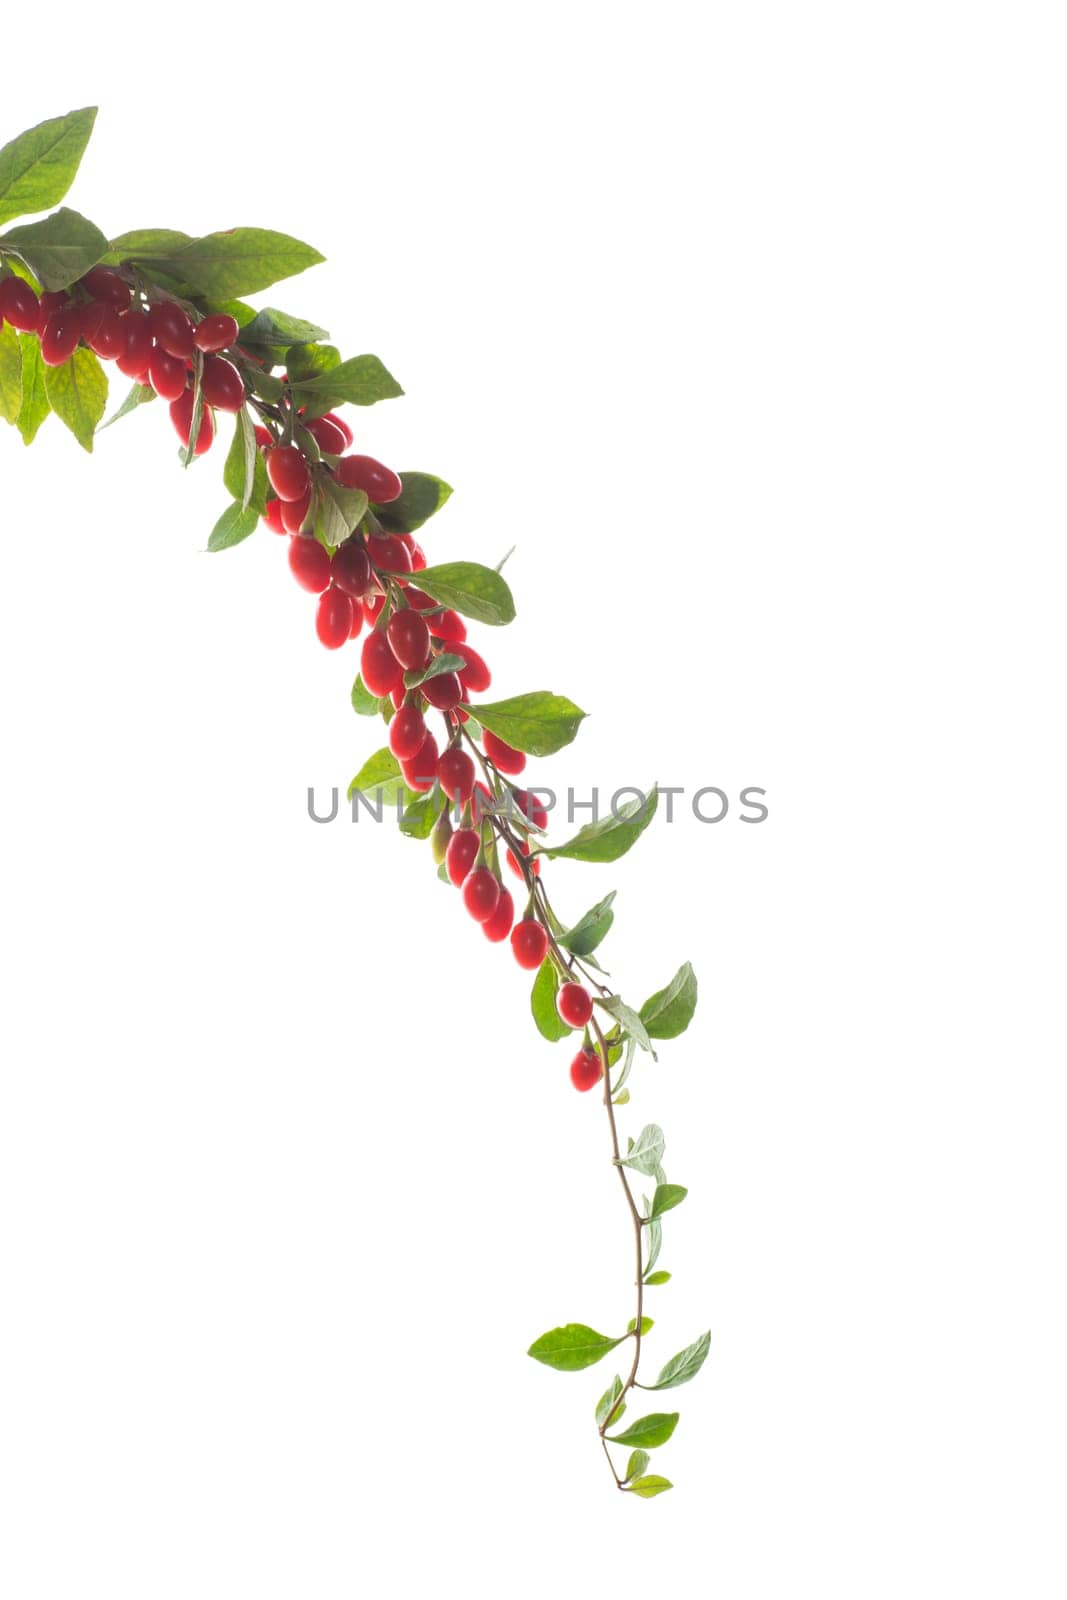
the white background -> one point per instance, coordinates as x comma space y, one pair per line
746, 326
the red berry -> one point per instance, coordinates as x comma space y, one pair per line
372, 607
410, 639
351, 569
462, 849
483, 803
419, 773
363, 472
273, 516
107, 287
420, 601
481, 893
223, 385
103, 330
166, 374
475, 676
339, 422
524, 849
133, 362
356, 627
381, 671
264, 440
52, 300
530, 807
503, 757
444, 691
529, 941
407, 733
448, 625
60, 335
333, 620
455, 774
586, 1070
215, 333
389, 554
574, 1004
309, 563
327, 435
498, 926
181, 414
19, 305
171, 328
294, 512
288, 472
398, 696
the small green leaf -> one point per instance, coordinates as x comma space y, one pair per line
611, 836
364, 704
142, 243
543, 1005
339, 511
419, 817
59, 248
539, 723
636, 1465
264, 384
439, 664
646, 1324
306, 361
647, 1432
139, 395
654, 1278
233, 526
471, 589
606, 1405
669, 1011
380, 773
10, 373
362, 381
245, 472
646, 1152
628, 1020
570, 1348
277, 330
653, 1232
77, 393
647, 1487
35, 406
586, 935
237, 261
666, 1197
685, 1365
422, 494
622, 1098
38, 167
187, 453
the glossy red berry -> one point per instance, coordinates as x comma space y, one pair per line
103, 330
356, 627
327, 435
407, 733
363, 472
450, 626
351, 569
420, 601
263, 438
372, 607
380, 670
398, 696
339, 422
166, 374
60, 335
333, 620
420, 771
409, 638
181, 414
529, 942
288, 472
498, 926
309, 563
389, 554
133, 362
586, 1070
455, 774
460, 856
481, 893
294, 512
223, 385
52, 300
574, 1004
475, 676
273, 516
108, 287
503, 757
530, 807
19, 305
171, 328
535, 864
215, 333
444, 691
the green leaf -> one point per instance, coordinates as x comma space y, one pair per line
145, 243
379, 774
440, 664
38, 167
77, 393
364, 704
636, 1465
539, 723
613, 835
648, 1432
543, 1005
10, 373
35, 406
622, 1098
570, 1348
646, 1152
187, 453
306, 361
653, 1232
608, 1402
59, 248
467, 587
362, 381
666, 1197
338, 511
647, 1487
277, 330
139, 395
628, 1020
421, 496
245, 471
646, 1324
264, 384
669, 1011
419, 817
235, 525
586, 935
655, 1278
685, 1365
237, 261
